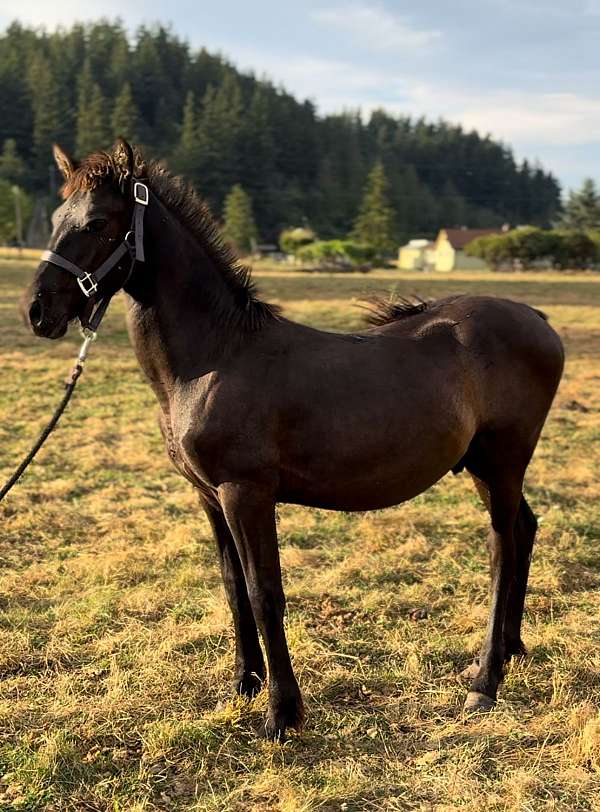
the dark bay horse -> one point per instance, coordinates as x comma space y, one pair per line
256, 409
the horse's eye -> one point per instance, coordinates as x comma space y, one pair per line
96, 225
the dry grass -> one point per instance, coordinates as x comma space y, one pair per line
9, 252
115, 641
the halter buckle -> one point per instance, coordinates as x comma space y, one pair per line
87, 284
140, 193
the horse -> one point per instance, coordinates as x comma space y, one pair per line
257, 410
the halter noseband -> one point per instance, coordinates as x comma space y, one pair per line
132, 245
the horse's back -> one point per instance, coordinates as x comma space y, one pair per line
501, 337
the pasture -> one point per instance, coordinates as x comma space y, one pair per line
116, 647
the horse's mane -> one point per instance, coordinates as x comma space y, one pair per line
382, 310
193, 213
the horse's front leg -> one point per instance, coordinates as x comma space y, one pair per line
250, 513
249, 663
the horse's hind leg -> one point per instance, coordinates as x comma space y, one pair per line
525, 530
504, 489
249, 664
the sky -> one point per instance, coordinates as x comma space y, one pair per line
524, 71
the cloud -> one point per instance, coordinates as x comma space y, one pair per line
516, 116
39, 12
373, 26
523, 117
67, 12
332, 84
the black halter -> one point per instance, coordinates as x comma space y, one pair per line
132, 246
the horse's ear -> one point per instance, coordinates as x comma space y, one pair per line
64, 163
124, 159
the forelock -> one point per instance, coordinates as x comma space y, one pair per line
99, 168
91, 172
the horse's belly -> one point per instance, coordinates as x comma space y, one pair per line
377, 481
351, 499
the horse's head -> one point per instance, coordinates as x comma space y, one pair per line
86, 228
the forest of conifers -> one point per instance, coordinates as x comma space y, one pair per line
83, 86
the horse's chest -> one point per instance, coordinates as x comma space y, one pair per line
174, 447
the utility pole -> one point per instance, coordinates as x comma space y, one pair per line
18, 216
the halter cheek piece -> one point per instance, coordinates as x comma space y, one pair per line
132, 246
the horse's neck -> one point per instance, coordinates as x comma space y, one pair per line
172, 318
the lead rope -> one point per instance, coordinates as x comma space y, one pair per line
70, 384
88, 282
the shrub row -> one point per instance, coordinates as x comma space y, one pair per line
530, 247
337, 254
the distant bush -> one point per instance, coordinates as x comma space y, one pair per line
494, 249
337, 254
292, 239
528, 247
533, 245
577, 250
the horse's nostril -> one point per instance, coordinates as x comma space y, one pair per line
36, 312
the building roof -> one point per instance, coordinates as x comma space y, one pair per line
461, 237
418, 244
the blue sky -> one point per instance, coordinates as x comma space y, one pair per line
525, 71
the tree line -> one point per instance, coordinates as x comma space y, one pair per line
221, 128
574, 242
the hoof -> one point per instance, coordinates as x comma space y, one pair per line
289, 714
272, 731
478, 703
516, 648
249, 684
471, 671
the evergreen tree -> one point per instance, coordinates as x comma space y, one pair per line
330, 193
125, 119
257, 155
582, 210
186, 157
93, 132
374, 225
341, 175
239, 226
12, 167
120, 64
16, 103
65, 54
46, 123
418, 212
220, 131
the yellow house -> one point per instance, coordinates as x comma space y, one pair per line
448, 253
415, 255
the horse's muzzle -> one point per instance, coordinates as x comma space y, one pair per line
43, 323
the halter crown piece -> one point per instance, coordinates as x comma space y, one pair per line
132, 246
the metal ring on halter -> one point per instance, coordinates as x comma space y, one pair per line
129, 240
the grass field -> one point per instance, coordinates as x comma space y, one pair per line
116, 647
